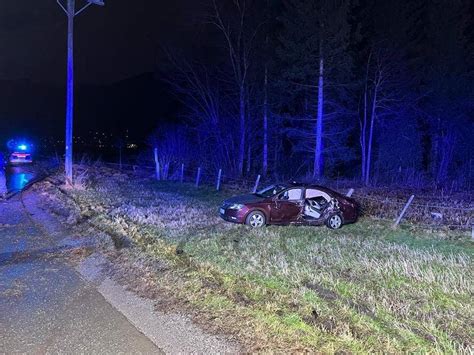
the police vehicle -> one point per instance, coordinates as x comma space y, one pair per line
21, 153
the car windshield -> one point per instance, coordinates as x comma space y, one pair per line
270, 190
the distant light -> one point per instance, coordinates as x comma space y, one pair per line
22, 147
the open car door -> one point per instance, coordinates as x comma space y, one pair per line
316, 205
287, 206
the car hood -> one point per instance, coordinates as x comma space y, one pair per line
244, 199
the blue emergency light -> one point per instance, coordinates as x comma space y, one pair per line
20, 145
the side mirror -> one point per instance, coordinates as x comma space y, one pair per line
276, 201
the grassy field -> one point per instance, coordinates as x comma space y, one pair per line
363, 288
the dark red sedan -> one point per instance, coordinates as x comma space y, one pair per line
283, 204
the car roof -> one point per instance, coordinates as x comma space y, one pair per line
294, 184
306, 185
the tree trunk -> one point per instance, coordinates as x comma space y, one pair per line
276, 151
318, 154
371, 135
249, 158
363, 133
242, 129
265, 125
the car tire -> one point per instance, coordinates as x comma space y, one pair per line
334, 221
255, 219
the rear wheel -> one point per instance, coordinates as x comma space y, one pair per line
255, 219
334, 221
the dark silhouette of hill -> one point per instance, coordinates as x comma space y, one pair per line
37, 109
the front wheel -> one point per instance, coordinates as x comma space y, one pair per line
334, 221
255, 219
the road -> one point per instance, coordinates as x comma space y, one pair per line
18, 176
45, 304
56, 298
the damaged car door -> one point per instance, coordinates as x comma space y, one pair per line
315, 205
287, 206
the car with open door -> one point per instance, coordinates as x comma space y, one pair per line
294, 203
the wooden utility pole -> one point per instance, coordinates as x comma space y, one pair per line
69, 91
71, 12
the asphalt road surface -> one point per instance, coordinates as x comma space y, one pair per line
56, 299
45, 305
17, 177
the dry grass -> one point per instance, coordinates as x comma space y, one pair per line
431, 211
359, 289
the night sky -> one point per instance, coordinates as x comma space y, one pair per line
117, 54
115, 42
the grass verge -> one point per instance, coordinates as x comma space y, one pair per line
363, 288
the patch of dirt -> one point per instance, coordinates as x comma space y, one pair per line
332, 296
323, 292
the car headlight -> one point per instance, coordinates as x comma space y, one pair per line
236, 206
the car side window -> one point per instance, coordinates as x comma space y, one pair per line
291, 195
312, 193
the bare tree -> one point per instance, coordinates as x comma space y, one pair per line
199, 91
377, 83
265, 123
173, 147
239, 42
386, 94
363, 122
313, 49
318, 157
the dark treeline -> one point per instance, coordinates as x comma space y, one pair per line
377, 90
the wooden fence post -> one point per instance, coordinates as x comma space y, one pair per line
182, 173
256, 184
350, 192
397, 222
218, 184
157, 164
198, 176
